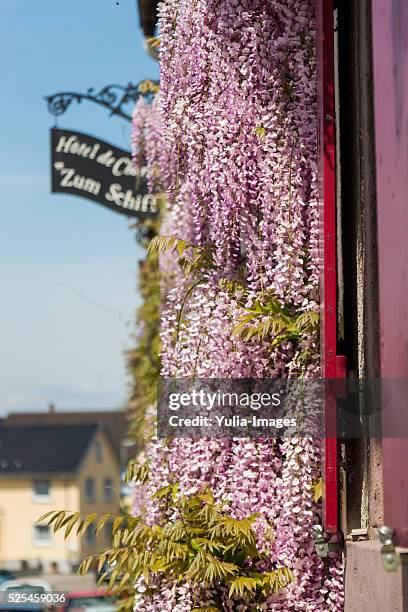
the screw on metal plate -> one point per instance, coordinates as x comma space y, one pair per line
322, 546
389, 556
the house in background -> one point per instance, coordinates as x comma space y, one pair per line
54, 467
115, 423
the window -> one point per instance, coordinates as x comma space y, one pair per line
108, 492
89, 535
42, 535
89, 489
98, 452
41, 490
108, 531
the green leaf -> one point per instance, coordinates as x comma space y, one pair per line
207, 497
126, 605
260, 131
117, 523
83, 525
277, 579
102, 522
181, 247
243, 585
45, 516
272, 318
59, 521
167, 244
201, 543
56, 516
124, 580
101, 561
174, 492
317, 487
163, 492
137, 471
85, 565
113, 577
71, 522
102, 578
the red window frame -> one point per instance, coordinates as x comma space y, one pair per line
331, 366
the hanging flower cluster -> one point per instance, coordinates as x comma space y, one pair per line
148, 145
232, 137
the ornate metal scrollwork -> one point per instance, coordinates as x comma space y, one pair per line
114, 97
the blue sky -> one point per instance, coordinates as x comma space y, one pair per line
67, 266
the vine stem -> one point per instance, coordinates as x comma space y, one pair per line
188, 293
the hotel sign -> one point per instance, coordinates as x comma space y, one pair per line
94, 169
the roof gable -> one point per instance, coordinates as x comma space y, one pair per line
37, 449
114, 422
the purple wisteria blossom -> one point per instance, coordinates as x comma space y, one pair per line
232, 138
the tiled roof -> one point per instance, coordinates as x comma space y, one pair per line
114, 421
41, 449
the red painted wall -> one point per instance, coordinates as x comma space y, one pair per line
390, 68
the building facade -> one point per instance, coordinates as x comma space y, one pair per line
365, 45
52, 467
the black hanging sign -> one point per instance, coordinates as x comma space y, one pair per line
94, 169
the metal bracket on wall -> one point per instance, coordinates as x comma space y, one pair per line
116, 98
323, 545
389, 556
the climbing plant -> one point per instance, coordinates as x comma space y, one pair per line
232, 138
199, 543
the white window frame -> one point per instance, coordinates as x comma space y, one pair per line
38, 542
108, 491
89, 499
108, 530
41, 498
89, 536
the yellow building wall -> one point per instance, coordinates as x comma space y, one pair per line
19, 512
107, 468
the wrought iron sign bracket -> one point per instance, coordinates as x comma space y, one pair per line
116, 98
